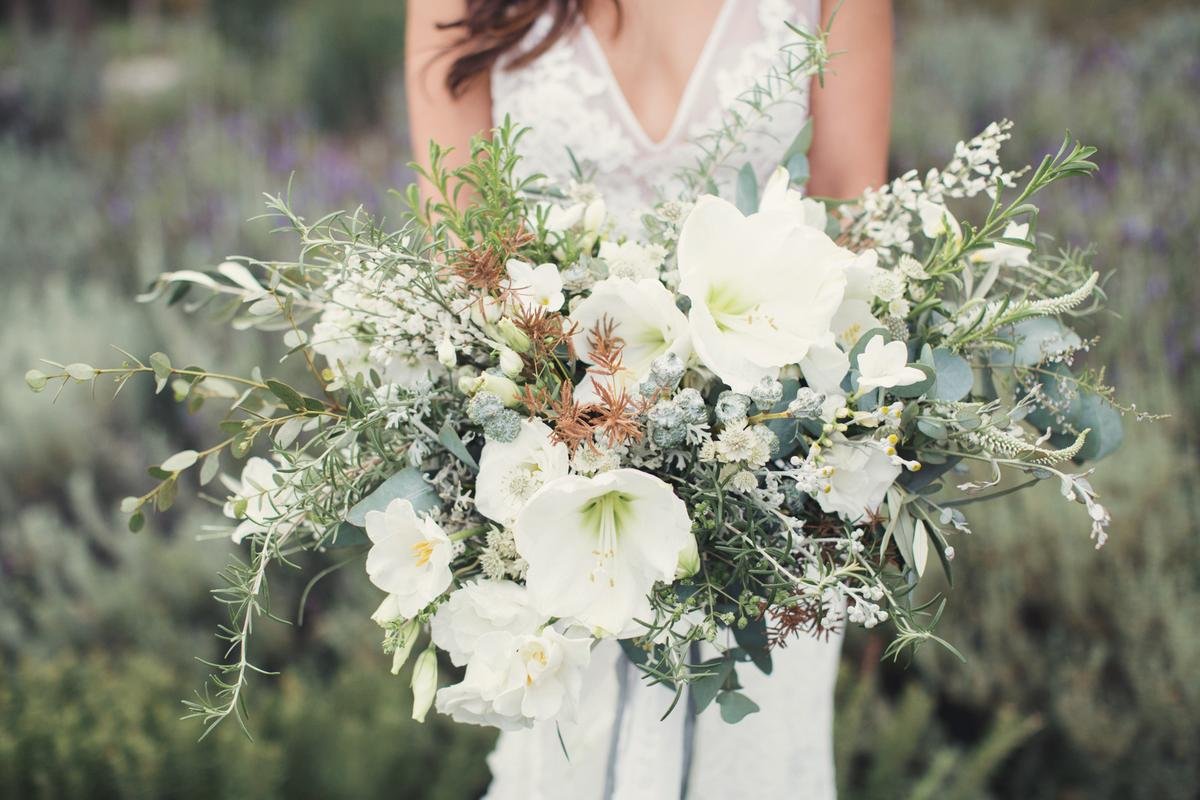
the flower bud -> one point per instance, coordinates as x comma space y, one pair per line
407, 638
500, 385
513, 336
424, 682
445, 353
511, 363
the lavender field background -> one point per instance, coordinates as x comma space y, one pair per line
138, 136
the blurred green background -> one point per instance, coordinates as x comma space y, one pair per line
137, 136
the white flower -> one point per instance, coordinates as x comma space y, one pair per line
861, 476
478, 608
511, 472
825, 365
852, 320
763, 288
345, 339
513, 681
1004, 254
265, 502
778, 195
409, 556
643, 315
595, 546
510, 362
424, 683
885, 365
632, 260
936, 220
535, 287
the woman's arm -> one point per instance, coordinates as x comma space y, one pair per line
433, 113
852, 111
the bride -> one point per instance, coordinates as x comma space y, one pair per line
626, 85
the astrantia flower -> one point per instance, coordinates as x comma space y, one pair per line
595, 546
265, 502
885, 365
533, 287
643, 316
632, 260
513, 681
409, 556
763, 288
861, 476
511, 472
478, 608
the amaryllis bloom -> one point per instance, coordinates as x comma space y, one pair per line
513, 681
777, 195
595, 546
643, 316
409, 557
478, 608
862, 473
533, 287
885, 366
511, 472
265, 502
763, 288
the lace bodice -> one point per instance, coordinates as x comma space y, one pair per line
572, 101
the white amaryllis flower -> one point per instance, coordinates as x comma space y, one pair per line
763, 288
535, 287
513, 681
862, 473
409, 557
778, 195
478, 608
511, 472
265, 501
885, 365
595, 546
643, 315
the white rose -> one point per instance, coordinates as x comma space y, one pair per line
861, 476
478, 608
409, 557
511, 472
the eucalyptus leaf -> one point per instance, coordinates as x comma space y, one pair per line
209, 468
348, 535
747, 190
290, 397
753, 639
954, 377
407, 484
704, 690
161, 365
735, 706
450, 439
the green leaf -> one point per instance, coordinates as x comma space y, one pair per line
35, 379
162, 370
165, 497
209, 468
407, 484
747, 190
954, 376
797, 167
180, 461
735, 706
801, 144
753, 639
81, 372
704, 690
348, 535
454, 443
289, 396
137, 522
1107, 430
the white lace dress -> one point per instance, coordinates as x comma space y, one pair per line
618, 748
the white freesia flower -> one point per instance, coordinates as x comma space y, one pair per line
1004, 254
643, 315
265, 501
535, 287
511, 472
936, 220
778, 195
513, 681
409, 557
763, 288
478, 608
885, 365
595, 546
861, 476
825, 365
632, 260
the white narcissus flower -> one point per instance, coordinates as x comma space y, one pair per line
885, 366
778, 195
763, 289
595, 546
533, 287
862, 473
265, 501
511, 472
515, 680
478, 608
409, 557
643, 315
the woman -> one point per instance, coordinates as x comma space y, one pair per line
625, 85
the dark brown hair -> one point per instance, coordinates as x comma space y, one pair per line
490, 28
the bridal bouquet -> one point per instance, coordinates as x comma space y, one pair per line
753, 418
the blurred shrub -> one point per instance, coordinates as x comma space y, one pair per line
56, 81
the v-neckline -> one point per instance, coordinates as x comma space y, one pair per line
689, 88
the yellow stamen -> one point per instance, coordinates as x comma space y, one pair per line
422, 552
